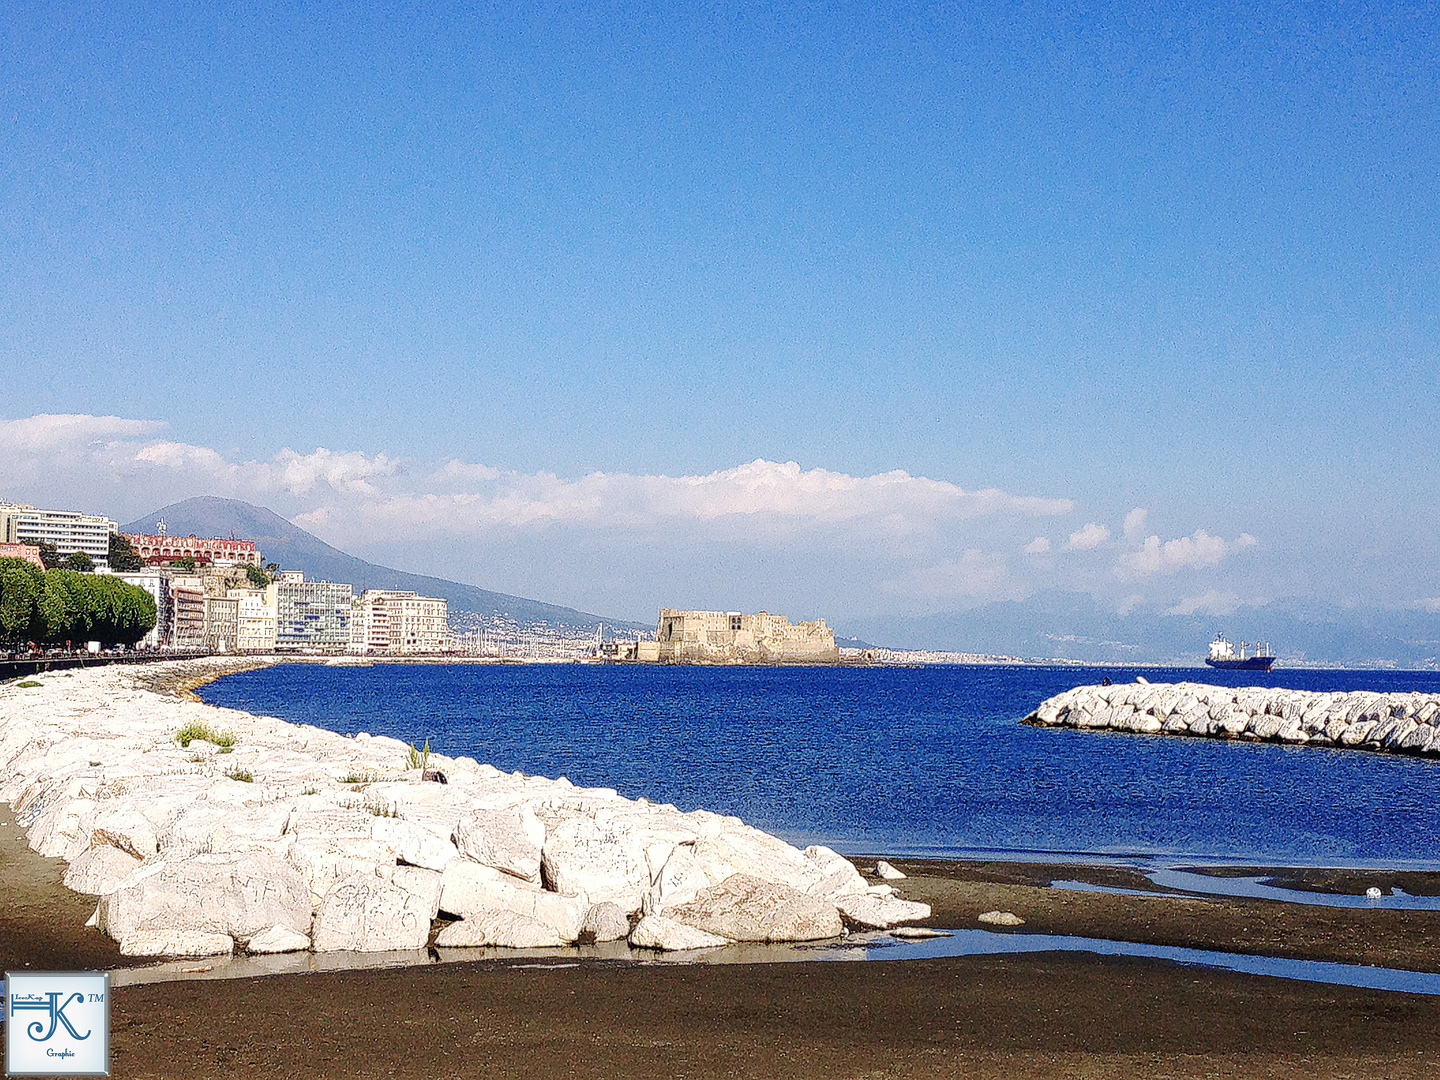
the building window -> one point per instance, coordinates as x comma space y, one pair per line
735, 622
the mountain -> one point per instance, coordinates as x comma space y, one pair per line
295, 549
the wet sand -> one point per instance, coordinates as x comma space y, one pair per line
1036, 1015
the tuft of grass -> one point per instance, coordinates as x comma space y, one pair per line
243, 775
360, 778
204, 733
310, 791
25, 684
419, 759
195, 759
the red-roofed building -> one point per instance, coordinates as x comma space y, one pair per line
157, 549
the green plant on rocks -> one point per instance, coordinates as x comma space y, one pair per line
243, 775
25, 684
419, 759
204, 733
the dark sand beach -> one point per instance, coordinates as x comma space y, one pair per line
1035, 1015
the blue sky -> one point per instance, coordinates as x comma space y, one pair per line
1097, 259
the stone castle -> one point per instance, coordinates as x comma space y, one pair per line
731, 637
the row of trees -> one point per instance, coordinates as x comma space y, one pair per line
58, 605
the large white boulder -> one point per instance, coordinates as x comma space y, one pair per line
176, 943
417, 846
100, 870
604, 859
873, 912
658, 932
366, 913
239, 895
507, 839
746, 908
278, 939
838, 874
469, 889
606, 922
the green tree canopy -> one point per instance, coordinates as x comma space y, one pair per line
123, 557
48, 555
21, 583
78, 561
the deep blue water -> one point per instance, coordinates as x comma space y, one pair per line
904, 761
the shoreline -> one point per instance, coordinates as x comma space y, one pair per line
1041, 1014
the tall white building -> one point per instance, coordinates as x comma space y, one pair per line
68, 530
399, 622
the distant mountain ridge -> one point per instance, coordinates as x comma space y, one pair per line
293, 548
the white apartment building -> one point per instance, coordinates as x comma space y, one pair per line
256, 619
68, 530
399, 622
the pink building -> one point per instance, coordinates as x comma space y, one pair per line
29, 552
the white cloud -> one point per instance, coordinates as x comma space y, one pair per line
1187, 552
1210, 602
893, 503
1091, 536
1135, 523
1039, 546
47, 433
1430, 604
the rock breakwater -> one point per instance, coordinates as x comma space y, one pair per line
201, 830
1360, 720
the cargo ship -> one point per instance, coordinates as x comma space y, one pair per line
1223, 655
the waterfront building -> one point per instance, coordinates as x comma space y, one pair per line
400, 622
189, 615
312, 615
733, 637
68, 530
29, 552
158, 549
222, 623
257, 619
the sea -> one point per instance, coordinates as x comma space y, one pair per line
903, 761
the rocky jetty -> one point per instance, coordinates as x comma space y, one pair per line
1361, 720
202, 830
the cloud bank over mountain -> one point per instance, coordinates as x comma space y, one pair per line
758, 534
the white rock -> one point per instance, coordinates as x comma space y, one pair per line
746, 908
658, 932
365, 913
510, 840
469, 889
1002, 918
239, 895
99, 870
885, 870
278, 939
603, 860
838, 874
880, 912
417, 846
606, 922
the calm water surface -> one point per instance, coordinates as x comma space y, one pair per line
908, 761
